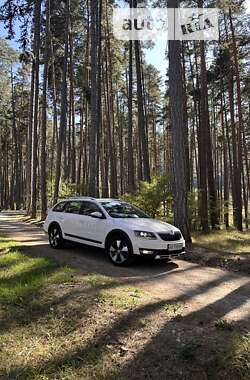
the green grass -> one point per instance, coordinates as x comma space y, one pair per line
230, 241
174, 306
236, 356
6, 244
21, 275
56, 323
50, 316
223, 325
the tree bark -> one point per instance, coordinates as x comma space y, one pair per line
131, 169
176, 107
94, 100
34, 160
43, 158
64, 104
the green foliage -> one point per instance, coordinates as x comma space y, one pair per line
225, 241
222, 324
193, 206
21, 275
173, 307
151, 196
233, 360
66, 189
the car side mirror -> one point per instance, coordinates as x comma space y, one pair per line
97, 215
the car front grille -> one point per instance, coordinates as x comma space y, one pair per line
171, 236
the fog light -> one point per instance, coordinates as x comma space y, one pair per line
146, 252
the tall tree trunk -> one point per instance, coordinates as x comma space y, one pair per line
185, 110
64, 104
225, 158
94, 100
34, 160
55, 118
99, 96
141, 116
111, 116
177, 121
72, 102
202, 153
17, 182
29, 139
206, 136
241, 125
43, 161
131, 169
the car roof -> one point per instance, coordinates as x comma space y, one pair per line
76, 199
99, 200
103, 200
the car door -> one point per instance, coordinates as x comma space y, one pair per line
71, 219
91, 230
57, 215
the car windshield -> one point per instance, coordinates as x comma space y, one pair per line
117, 209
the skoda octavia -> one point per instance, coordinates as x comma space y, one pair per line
123, 230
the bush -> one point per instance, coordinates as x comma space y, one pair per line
152, 197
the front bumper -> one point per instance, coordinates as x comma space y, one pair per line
158, 247
161, 254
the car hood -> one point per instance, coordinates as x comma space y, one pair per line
149, 225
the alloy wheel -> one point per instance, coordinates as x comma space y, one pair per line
119, 251
54, 237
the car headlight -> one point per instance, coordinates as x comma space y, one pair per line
145, 235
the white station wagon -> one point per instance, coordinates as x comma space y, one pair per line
123, 230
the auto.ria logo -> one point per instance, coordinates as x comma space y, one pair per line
166, 23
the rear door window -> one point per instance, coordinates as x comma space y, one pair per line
88, 208
73, 207
60, 207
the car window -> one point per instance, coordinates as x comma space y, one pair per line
73, 207
60, 207
119, 209
88, 208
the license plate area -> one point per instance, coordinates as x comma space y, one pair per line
175, 247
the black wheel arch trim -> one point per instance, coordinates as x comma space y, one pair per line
54, 224
117, 232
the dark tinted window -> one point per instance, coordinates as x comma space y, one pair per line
88, 208
119, 209
60, 207
73, 207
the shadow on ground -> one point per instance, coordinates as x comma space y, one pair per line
153, 321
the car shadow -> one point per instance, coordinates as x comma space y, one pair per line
141, 263
90, 259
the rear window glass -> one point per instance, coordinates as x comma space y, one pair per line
60, 207
88, 208
73, 207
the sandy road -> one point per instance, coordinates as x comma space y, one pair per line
214, 292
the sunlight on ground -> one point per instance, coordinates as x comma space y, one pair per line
59, 324
227, 241
6, 244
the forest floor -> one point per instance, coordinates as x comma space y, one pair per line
226, 249
70, 314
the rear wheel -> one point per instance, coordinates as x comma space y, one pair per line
56, 240
120, 250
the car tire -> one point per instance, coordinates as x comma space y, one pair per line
56, 240
120, 250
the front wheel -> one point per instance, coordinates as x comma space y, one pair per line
56, 240
120, 251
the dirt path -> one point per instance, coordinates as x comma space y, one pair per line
214, 292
